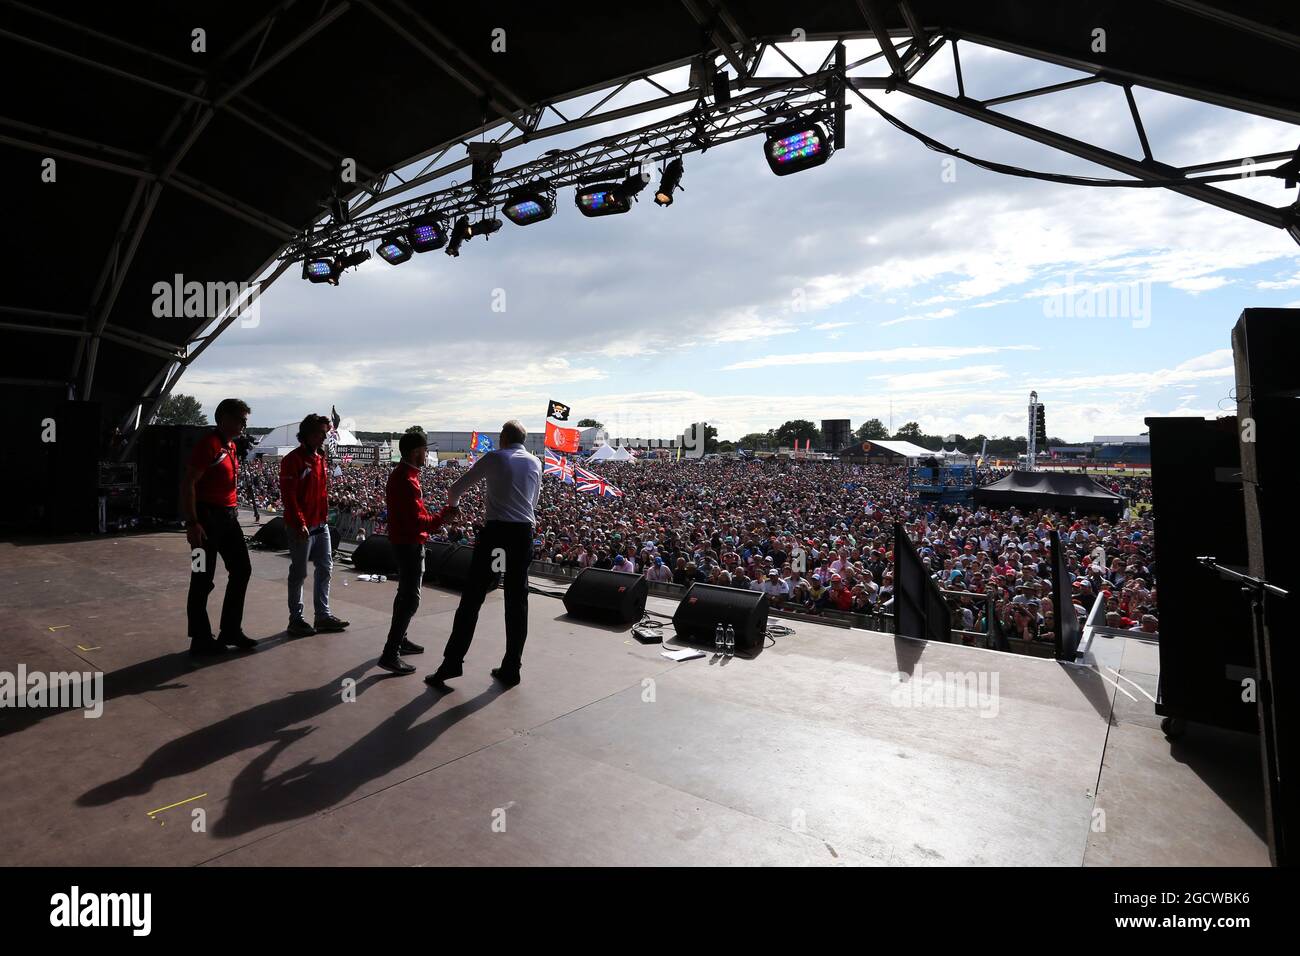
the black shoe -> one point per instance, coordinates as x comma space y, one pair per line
408, 648
206, 647
300, 628
330, 623
240, 641
439, 677
509, 678
395, 664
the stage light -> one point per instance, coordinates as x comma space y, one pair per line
426, 233
321, 270
393, 249
799, 146
354, 259
483, 161
529, 204
609, 199
669, 183
464, 230
602, 199
459, 233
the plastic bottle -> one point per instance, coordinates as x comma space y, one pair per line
731, 641
719, 639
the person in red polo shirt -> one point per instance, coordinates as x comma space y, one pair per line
208, 502
409, 524
304, 489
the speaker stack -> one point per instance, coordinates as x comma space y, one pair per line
705, 606
613, 596
1264, 346
164, 453
73, 489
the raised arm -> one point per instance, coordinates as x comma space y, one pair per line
466, 481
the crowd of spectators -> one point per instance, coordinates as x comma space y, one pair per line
815, 536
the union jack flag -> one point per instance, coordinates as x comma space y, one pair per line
559, 466
590, 481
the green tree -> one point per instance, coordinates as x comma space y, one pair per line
754, 441
726, 447
710, 439
909, 432
873, 429
415, 429
180, 409
798, 429
590, 423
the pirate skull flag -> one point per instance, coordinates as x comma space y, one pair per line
557, 410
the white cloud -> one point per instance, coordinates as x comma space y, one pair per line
1200, 283
925, 353
928, 317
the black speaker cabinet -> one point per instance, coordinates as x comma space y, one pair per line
1205, 635
272, 535
375, 556
614, 596
164, 451
705, 606
1264, 349
449, 565
74, 485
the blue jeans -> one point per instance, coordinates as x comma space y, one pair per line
316, 548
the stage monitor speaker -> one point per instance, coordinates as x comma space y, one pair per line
436, 554
74, 485
452, 563
273, 535
614, 596
375, 556
1264, 347
705, 606
164, 453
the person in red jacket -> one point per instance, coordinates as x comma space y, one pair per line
304, 489
208, 502
409, 524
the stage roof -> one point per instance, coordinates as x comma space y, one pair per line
172, 162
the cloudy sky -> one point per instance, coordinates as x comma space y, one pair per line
880, 277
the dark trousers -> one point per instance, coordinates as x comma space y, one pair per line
514, 539
225, 538
410, 576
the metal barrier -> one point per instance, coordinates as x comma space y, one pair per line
881, 622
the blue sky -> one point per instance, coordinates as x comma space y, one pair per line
879, 277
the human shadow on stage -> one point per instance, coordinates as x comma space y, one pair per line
156, 674
256, 800
262, 724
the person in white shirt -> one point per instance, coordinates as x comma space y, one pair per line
514, 485
775, 589
659, 572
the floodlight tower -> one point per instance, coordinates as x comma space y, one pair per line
1032, 445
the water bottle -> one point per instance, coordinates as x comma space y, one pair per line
731, 641
719, 639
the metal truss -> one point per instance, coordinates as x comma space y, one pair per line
512, 122
816, 97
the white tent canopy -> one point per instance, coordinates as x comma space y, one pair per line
622, 454
603, 453
286, 436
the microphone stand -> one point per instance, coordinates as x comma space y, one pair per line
1256, 590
